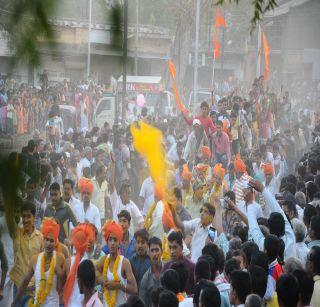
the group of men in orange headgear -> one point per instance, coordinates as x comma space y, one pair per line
52, 273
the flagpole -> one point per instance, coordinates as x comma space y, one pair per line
213, 65
258, 72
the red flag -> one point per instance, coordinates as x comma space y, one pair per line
179, 103
220, 22
266, 51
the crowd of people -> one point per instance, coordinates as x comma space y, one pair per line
239, 224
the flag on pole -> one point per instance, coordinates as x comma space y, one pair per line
220, 22
266, 51
179, 103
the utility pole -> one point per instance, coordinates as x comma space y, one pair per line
125, 51
136, 39
89, 40
196, 52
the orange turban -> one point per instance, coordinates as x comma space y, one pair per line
268, 169
81, 235
167, 218
85, 185
111, 227
186, 174
201, 168
50, 226
239, 165
206, 152
219, 171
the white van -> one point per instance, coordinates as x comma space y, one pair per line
105, 110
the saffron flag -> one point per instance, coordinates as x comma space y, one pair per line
266, 51
220, 22
179, 103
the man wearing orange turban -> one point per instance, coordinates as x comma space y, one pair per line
206, 153
86, 211
219, 184
186, 188
112, 268
81, 236
49, 261
241, 177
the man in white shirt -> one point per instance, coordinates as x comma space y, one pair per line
147, 194
86, 211
122, 201
100, 193
275, 222
201, 229
87, 159
68, 196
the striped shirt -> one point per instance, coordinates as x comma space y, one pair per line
238, 186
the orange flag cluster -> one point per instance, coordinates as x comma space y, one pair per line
266, 51
220, 22
179, 103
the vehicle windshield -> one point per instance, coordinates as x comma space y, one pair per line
104, 104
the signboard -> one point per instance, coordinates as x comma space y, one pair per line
141, 87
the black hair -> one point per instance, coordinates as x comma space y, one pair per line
315, 227
133, 301
308, 212
170, 280
241, 231
311, 189
69, 181
301, 187
212, 249
177, 193
272, 247
306, 286
231, 195
235, 243
125, 214
239, 253
86, 273
259, 280
168, 298
292, 179
230, 266
155, 241
29, 206
213, 265
276, 224
210, 208
287, 290
142, 233
31, 145
290, 187
86, 172
55, 187
260, 259
200, 287
202, 270
249, 249
176, 236
315, 259
241, 284
210, 296
204, 104
183, 273
291, 206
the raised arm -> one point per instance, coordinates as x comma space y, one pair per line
176, 219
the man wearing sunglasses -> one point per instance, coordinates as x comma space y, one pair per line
201, 229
